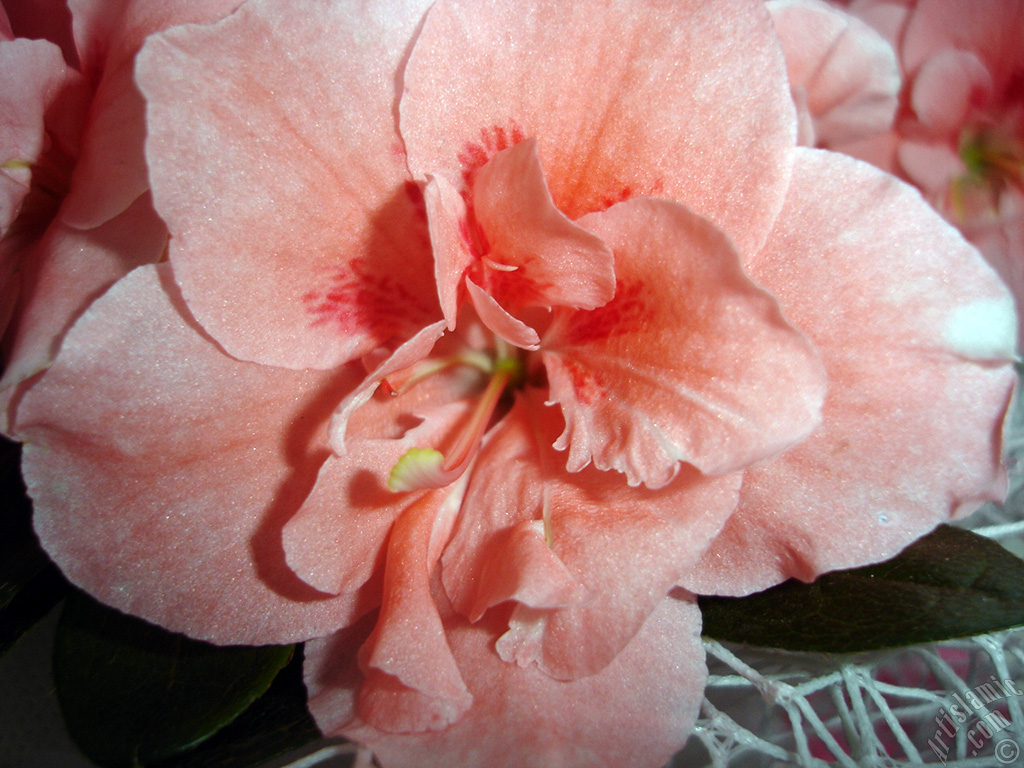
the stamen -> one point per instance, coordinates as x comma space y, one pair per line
420, 468
402, 381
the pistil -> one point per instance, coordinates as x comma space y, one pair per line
421, 468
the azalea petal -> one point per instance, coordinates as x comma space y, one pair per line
412, 681
162, 471
31, 74
407, 354
60, 277
110, 172
847, 71
917, 334
634, 714
689, 362
949, 85
336, 540
551, 262
498, 320
993, 29
446, 217
619, 548
624, 99
319, 250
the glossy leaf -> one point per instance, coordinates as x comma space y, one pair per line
276, 722
132, 693
951, 583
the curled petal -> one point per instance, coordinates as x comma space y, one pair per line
61, 275
110, 173
498, 320
917, 334
690, 362
412, 680
31, 75
551, 262
446, 216
949, 85
523, 717
614, 551
336, 540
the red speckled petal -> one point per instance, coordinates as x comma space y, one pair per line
634, 714
61, 275
846, 74
623, 98
110, 172
917, 333
551, 261
690, 362
162, 471
621, 547
274, 160
31, 74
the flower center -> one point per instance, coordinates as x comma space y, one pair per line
994, 159
421, 468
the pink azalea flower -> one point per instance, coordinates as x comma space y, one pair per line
959, 134
76, 213
489, 333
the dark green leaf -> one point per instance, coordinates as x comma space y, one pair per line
29, 584
275, 723
951, 583
132, 693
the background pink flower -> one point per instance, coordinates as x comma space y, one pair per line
84, 215
959, 132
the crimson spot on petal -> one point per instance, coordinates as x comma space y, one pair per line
626, 313
358, 298
474, 155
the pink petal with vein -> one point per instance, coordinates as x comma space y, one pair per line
690, 362
623, 100
917, 334
162, 471
633, 714
280, 121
